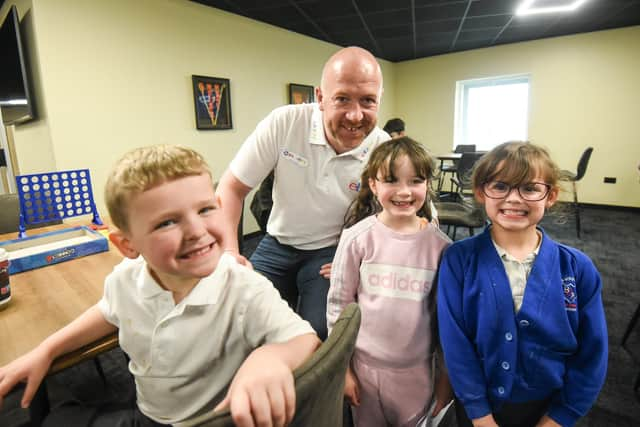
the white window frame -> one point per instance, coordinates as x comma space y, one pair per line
462, 90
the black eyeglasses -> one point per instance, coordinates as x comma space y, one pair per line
529, 191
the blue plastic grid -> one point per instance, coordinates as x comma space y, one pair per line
55, 196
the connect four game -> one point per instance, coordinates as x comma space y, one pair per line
54, 196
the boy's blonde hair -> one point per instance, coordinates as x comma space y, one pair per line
514, 163
144, 168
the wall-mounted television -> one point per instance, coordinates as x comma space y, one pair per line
16, 102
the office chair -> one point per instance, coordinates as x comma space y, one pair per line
575, 177
462, 178
10, 215
319, 381
466, 213
462, 210
262, 202
453, 167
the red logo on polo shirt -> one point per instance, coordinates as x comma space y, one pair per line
354, 186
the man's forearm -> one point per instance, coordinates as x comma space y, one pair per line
231, 192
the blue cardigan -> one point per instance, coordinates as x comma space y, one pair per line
555, 346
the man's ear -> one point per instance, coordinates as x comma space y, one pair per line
122, 242
319, 98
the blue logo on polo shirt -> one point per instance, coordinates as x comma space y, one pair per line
295, 158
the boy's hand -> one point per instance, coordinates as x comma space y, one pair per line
443, 392
262, 392
351, 388
32, 368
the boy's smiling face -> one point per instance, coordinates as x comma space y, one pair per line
176, 226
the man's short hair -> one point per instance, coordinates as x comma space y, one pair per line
394, 125
144, 168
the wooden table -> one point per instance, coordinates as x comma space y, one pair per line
45, 299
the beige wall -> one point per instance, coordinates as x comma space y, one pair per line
585, 91
114, 75
117, 74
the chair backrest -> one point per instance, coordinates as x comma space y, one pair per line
465, 166
9, 213
582, 163
465, 148
319, 381
262, 202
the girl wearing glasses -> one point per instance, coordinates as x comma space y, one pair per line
386, 261
520, 316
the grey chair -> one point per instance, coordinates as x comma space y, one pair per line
465, 213
461, 210
319, 381
10, 215
574, 177
453, 167
462, 179
262, 202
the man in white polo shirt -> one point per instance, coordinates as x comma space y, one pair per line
318, 152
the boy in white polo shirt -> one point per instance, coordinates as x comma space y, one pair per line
190, 318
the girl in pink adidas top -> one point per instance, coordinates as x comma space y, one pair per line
387, 260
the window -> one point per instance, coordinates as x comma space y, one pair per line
491, 111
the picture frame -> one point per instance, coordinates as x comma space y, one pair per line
212, 102
301, 94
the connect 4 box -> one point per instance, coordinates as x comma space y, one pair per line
53, 247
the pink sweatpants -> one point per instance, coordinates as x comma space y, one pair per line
391, 396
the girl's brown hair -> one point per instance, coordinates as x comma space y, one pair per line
382, 160
513, 163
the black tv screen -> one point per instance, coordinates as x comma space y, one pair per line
15, 100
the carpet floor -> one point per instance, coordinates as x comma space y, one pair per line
611, 237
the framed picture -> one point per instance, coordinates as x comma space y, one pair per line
212, 98
300, 94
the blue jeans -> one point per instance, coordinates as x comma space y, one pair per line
295, 274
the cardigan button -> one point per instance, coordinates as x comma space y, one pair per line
524, 323
500, 390
505, 365
508, 336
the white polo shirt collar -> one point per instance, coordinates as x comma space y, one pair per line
206, 291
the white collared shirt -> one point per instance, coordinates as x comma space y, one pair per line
517, 272
183, 356
313, 185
